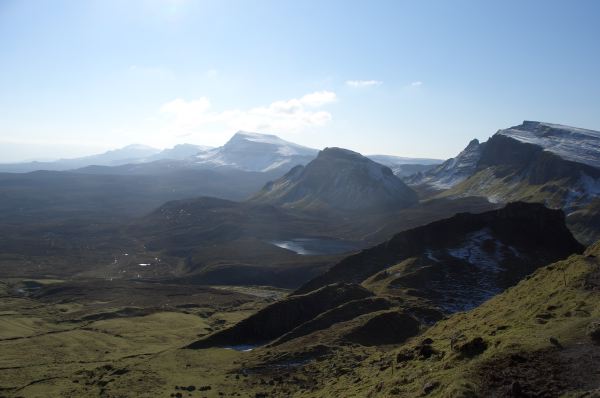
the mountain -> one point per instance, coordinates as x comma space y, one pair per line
419, 275
338, 179
463, 260
540, 338
403, 166
536, 162
131, 154
179, 152
257, 152
570, 143
452, 171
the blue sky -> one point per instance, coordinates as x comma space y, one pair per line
411, 78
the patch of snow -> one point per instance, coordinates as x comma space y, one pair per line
581, 193
429, 254
570, 143
453, 171
463, 291
241, 347
256, 152
472, 251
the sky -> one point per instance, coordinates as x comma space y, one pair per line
410, 78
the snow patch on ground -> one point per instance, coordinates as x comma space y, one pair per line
472, 251
585, 190
463, 290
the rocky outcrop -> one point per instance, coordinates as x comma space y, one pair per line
501, 246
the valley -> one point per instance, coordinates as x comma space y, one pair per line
265, 269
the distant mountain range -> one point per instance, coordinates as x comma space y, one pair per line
131, 154
245, 151
288, 195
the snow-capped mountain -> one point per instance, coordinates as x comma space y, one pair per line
257, 152
536, 162
452, 171
570, 143
338, 179
180, 152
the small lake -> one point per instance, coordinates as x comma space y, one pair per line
317, 246
241, 347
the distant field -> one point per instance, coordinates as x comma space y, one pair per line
74, 339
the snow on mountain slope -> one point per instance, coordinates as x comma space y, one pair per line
570, 143
452, 171
257, 152
180, 152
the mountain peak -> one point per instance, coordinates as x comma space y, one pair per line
340, 179
570, 143
473, 143
249, 135
257, 152
454, 170
335, 152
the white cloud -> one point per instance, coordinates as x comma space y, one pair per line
318, 98
191, 117
363, 83
186, 114
416, 83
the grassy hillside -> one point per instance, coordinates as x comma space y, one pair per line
532, 340
535, 339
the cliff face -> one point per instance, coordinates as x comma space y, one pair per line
556, 165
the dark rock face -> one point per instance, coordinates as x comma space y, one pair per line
539, 233
338, 179
390, 327
470, 348
509, 156
283, 316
